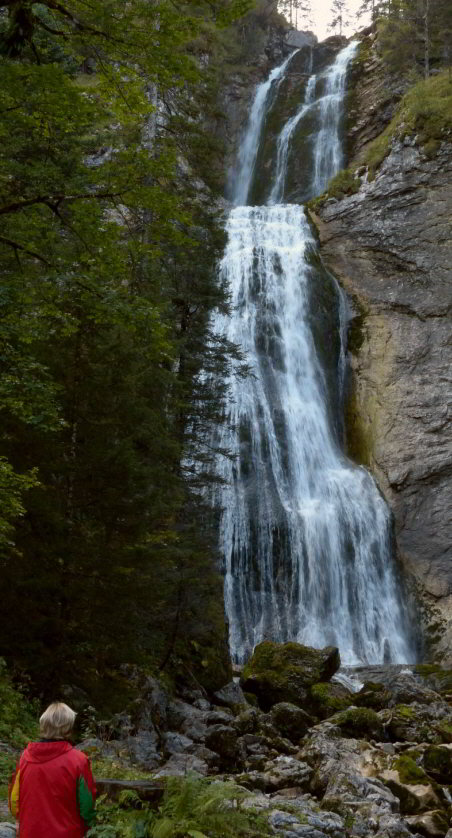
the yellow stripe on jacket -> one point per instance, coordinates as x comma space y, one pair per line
14, 795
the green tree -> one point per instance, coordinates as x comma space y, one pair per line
108, 248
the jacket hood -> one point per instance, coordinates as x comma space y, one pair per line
45, 751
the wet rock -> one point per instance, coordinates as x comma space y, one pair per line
290, 720
284, 671
187, 719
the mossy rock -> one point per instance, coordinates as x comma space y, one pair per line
435, 677
359, 723
414, 723
372, 695
285, 671
438, 763
328, 698
410, 772
291, 721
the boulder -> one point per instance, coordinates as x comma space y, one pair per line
291, 721
7, 830
223, 740
418, 722
284, 671
143, 749
437, 762
430, 824
231, 696
328, 698
372, 695
359, 722
414, 797
149, 790
181, 764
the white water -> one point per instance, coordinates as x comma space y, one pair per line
277, 193
305, 534
328, 156
249, 148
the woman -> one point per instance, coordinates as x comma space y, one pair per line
52, 792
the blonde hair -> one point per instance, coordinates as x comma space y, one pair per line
57, 721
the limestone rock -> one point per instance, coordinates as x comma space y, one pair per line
390, 245
430, 824
231, 696
284, 671
437, 762
7, 830
223, 740
414, 797
328, 698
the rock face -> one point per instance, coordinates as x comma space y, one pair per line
390, 245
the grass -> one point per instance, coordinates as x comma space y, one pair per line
426, 111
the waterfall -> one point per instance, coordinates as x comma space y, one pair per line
305, 533
248, 149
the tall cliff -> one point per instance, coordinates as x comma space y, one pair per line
390, 246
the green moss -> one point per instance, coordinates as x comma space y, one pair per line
324, 700
359, 721
406, 711
409, 772
438, 763
444, 730
343, 183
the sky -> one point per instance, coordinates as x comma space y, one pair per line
321, 13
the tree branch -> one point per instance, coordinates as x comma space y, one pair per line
16, 246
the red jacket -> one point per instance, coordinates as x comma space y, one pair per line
52, 792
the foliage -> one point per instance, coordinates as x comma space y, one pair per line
343, 183
191, 807
425, 111
200, 807
108, 245
17, 715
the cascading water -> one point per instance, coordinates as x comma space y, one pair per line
305, 534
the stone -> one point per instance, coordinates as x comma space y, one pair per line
286, 771
280, 672
7, 830
430, 824
372, 695
328, 698
176, 743
291, 721
223, 740
143, 749
418, 723
359, 722
414, 797
437, 762
231, 696
181, 764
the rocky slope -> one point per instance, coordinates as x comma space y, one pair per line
390, 245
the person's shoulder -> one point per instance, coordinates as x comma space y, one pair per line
77, 756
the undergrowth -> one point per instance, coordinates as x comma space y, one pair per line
191, 808
424, 111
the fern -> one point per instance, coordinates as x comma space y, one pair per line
200, 808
